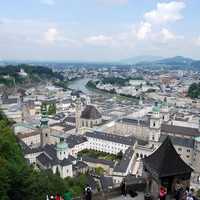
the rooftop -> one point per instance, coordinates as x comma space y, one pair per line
111, 137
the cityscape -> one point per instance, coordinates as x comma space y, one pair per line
109, 116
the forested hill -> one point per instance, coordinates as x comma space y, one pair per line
10, 75
18, 180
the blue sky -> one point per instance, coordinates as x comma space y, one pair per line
98, 30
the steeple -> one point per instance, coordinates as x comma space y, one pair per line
45, 131
155, 117
155, 123
199, 123
44, 116
141, 100
164, 110
62, 149
78, 113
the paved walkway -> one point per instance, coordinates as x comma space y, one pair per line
140, 196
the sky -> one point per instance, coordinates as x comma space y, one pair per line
98, 30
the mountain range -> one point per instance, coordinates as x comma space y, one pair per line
177, 62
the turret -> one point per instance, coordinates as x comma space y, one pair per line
78, 113
62, 150
141, 101
199, 123
155, 117
45, 131
155, 123
164, 110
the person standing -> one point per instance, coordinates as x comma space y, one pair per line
163, 193
88, 193
124, 188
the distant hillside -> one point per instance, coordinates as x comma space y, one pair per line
10, 75
179, 62
139, 59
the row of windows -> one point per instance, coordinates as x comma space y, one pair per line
180, 149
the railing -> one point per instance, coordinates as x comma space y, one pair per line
136, 184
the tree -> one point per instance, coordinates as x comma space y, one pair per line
120, 155
194, 90
52, 109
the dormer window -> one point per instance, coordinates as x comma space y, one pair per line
154, 124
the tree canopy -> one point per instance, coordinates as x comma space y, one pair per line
19, 181
194, 90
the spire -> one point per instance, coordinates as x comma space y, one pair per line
62, 149
78, 113
44, 116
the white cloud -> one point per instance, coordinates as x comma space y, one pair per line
197, 42
48, 2
51, 35
99, 40
167, 35
144, 30
166, 12
120, 2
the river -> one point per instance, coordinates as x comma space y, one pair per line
80, 84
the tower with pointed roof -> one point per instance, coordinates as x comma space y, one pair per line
155, 123
164, 167
164, 111
45, 131
62, 150
78, 113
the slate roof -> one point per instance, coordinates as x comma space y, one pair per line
111, 137
44, 160
90, 112
134, 122
70, 119
74, 140
180, 141
165, 162
49, 157
179, 130
106, 182
98, 161
123, 164
80, 165
9, 101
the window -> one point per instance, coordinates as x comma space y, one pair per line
179, 149
188, 150
154, 124
188, 156
153, 138
46, 135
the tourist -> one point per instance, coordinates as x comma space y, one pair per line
57, 197
123, 188
163, 193
88, 193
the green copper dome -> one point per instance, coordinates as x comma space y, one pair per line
156, 107
62, 145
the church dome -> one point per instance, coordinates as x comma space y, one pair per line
62, 145
90, 112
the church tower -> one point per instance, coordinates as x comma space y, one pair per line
155, 123
78, 113
45, 131
165, 111
62, 150
141, 100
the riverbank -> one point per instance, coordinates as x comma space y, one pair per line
91, 85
